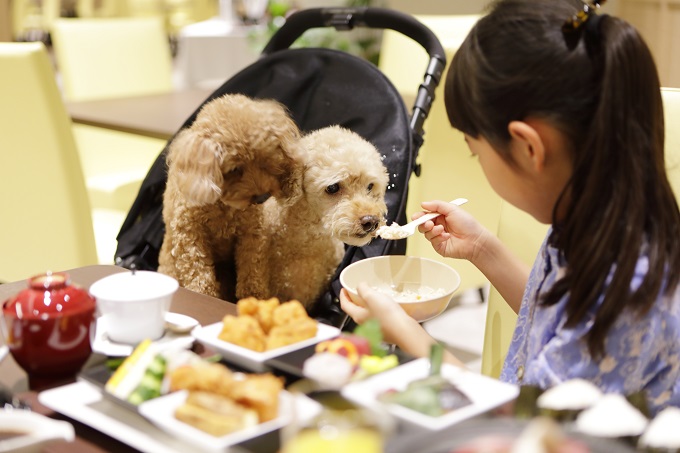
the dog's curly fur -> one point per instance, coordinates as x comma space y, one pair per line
236, 152
327, 188
342, 202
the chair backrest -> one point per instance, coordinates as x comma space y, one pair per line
113, 57
671, 106
524, 235
448, 172
46, 222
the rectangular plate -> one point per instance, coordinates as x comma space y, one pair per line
484, 392
84, 402
160, 412
252, 360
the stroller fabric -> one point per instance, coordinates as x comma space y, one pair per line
320, 87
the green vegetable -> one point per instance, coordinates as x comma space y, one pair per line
433, 395
150, 385
113, 363
370, 330
421, 399
436, 358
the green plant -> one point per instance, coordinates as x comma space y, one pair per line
362, 42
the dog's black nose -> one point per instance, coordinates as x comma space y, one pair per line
259, 199
369, 223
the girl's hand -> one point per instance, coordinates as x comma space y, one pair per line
455, 233
396, 325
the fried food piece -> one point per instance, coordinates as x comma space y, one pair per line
262, 310
215, 414
243, 331
247, 306
259, 392
287, 312
211, 377
265, 313
297, 330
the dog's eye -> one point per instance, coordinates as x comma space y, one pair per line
333, 188
370, 187
236, 172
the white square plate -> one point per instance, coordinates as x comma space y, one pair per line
250, 359
160, 411
484, 392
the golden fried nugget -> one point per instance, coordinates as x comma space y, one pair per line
287, 312
243, 331
297, 330
265, 313
259, 392
247, 306
212, 377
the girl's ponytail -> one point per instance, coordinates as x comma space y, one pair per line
622, 200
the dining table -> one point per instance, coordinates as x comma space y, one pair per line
153, 115
204, 309
91, 437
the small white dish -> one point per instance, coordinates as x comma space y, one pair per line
160, 411
102, 344
34, 431
484, 392
250, 359
179, 323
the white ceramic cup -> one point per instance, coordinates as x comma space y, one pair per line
132, 305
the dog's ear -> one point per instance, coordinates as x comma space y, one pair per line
292, 183
196, 162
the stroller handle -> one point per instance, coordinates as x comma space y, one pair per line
348, 18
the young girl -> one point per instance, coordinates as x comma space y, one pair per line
564, 113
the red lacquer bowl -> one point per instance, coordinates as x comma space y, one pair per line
48, 326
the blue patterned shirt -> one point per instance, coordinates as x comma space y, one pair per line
641, 353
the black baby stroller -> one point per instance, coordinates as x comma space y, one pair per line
320, 87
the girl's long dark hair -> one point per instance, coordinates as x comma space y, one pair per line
602, 91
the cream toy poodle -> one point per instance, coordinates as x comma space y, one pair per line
342, 201
238, 152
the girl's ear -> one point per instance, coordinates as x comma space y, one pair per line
527, 147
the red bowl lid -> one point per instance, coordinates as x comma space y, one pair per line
48, 295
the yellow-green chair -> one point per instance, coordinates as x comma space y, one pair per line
524, 235
47, 223
112, 57
32, 20
100, 58
671, 104
448, 170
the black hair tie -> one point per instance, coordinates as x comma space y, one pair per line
592, 26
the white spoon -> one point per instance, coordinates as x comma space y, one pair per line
396, 231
